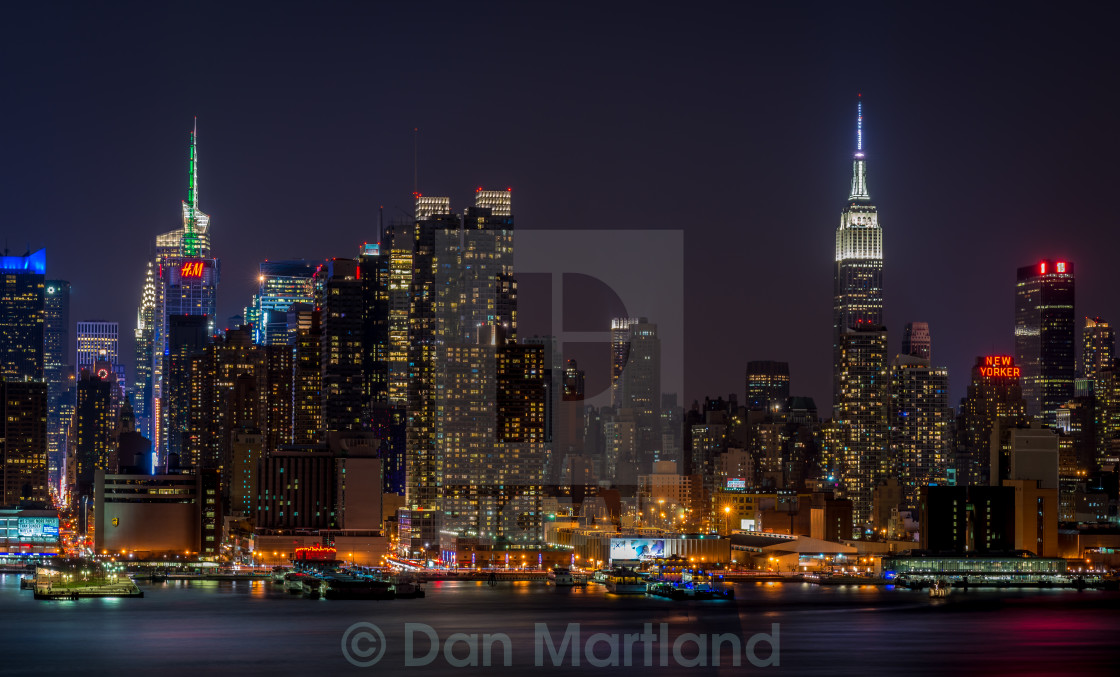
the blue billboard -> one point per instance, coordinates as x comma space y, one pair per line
637, 548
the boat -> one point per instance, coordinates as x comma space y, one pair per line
692, 585
312, 587
561, 577
293, 582
600, 576
27, 583
278, 574
407, 586
625, 582
349, 587
939, 589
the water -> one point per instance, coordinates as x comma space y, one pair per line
255, 628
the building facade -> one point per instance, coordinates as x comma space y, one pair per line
1044, 335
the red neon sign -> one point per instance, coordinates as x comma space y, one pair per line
1042, 268
191, 269
1061, 266
999, 366
316, 552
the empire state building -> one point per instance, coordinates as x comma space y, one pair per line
858, 276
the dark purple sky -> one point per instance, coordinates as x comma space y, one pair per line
991, 135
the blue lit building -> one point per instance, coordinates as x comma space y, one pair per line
22, 315
282, 283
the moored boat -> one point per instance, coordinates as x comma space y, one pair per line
407, 586
626, 582
561, 577
293, 582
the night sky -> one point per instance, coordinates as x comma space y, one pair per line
991, 135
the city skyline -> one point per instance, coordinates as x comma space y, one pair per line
251, 159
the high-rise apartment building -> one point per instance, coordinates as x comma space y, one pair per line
862, 414
22, 315
858, 272
915, 340
1098, 347
921, 426
767, 385
341, 307
1044, 335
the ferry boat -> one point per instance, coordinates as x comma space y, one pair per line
939, 589
600, 576
625, 582
692, 585
278, 574
561, 577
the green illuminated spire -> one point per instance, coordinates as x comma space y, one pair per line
190, 223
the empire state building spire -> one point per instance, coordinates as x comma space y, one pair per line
858, 272
859, 163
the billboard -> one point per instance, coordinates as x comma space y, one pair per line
38, 529
637, 548
736, 483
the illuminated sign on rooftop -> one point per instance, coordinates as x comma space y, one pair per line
999, 366
191, 269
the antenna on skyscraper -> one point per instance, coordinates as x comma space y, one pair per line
859, 122
415, 160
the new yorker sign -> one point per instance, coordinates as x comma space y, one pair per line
998, 366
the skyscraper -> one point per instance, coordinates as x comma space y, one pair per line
858, 275
22, 313
920, 426
144, 334
641, 392
281, 283
98, 342
56, 350
1044, 335
341, 304
186, 284
862, 415
767, 385
23, 443
1098, 347
620, 355
994, 398
915, 340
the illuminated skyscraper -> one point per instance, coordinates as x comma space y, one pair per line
994, 397
858, 275
56, 350
1044, 335
1098, 347
22, 315
23, 443
341, 317
862, 415
620, 354
144, 335
98, 341
920, 426
186, 284
281, 283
